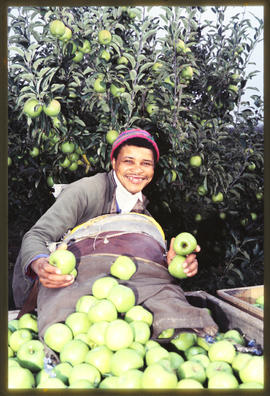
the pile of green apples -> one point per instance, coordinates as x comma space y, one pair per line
106, 343
259, 302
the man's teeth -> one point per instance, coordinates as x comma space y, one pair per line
135, 179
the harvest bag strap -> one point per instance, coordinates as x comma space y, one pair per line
31, 301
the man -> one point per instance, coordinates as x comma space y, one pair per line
133, 169
117, 194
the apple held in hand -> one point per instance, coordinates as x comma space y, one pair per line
64, 260
184, 243
175, 267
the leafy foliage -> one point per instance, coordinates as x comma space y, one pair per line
188, 94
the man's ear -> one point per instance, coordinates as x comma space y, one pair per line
113, 163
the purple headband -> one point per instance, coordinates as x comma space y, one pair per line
131, 134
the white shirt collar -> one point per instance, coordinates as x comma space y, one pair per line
124, 198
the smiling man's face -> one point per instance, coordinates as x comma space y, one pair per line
134, 167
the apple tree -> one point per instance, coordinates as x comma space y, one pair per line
78, 76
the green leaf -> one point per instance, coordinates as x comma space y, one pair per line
131, 59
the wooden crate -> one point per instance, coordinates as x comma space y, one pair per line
243, 298
228, 316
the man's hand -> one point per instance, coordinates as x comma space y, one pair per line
49, 275
190, 264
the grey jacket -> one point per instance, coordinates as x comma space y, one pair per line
78, 202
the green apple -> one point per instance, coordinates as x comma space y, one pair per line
153, 355
99, 85
85, 371
85, 302
184, 244
176, 359
111, 382
34, 152
50, 181
74, 352
198, 217
138, 312
234, 334
251, 166
57, 28
222, 350
111, 135
222, 215
104, 37
102, 286
96, 333
66, 36
56, 122
157, 66
201, 358
63, 259
31, 355
125, 359
73, 167
51, 383
86, 47
13, 324
123, 297
67, 147
116, 91
81, 383
251, 385
234, 88
187, 72
130, 379
259, 196
180, 46
194, 350
100, 357
83, 337
57, 335
202, 190
253, 370
28, 321
78, 56
9, 162
102, 310
151, 344
175, 267
123, 267
167, 333
62, 371
138, 347
151, 108
189, 383
32, 108
10, 352
217, 367
122, 60
105, 55
20, 378
216, 198
223, 380
159, 376
78, 322
118, 335
141, 330
240, 360
169, 81
53, 108
253, 216
193, 370
184, 341
12, 361
195, 161
19, 337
